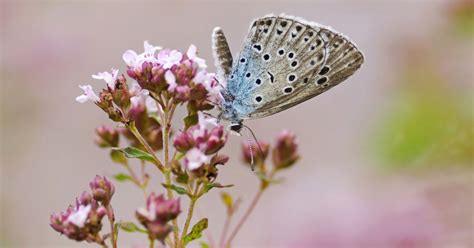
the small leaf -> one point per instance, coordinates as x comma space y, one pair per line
177, 189
196, 231
118, 157
121, 177
131, 227
190, 120
132, 152
204, 245
227, 199
209, 186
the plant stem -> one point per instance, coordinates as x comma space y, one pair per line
111, 217
131, 126
166, 124
225, 229
189, 216
152, 242
245, 216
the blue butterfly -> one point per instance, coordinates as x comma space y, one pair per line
284, 61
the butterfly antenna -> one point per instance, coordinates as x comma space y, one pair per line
249, 130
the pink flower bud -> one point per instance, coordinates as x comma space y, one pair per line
157, 213
102, 189
285, 152
258, 155
107, 137
183, 142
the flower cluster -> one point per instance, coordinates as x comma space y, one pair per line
83, 220
200, 142
156, 215
168, 75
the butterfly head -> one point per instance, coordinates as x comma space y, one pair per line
235, 128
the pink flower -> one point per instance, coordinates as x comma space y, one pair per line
102, 189
89, 94
191, 54
156, 215
134, 60
170, 80
195, 158
285, 152
169, 58
108, 77
140, 96
210, 84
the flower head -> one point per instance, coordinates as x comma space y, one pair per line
258, 151
133, 60
156, 215
169, 58
80, 222
88, 95
108, 77
285, 152
102, 189
107, 136
191, 54
195, 158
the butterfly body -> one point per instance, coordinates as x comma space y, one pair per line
284, 61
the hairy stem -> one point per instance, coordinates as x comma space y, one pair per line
166, 125
245, 216
131, 126
189, 217
111, 217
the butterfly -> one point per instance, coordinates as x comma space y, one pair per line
284, 61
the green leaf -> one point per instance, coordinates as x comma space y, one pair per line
132, 152
177, 189
209, 186
118, 157
196, 231
227, 199
121, 177
204, 245
190, 120
131, 227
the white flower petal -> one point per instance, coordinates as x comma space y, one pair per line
89, 94
195, 158
130, 58
191, 53
171, 80
79, 217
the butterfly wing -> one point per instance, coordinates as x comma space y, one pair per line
221, 53
285, 61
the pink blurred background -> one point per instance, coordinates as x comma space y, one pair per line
344, 192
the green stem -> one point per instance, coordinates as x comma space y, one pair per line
131, 126
166, 124
189, 216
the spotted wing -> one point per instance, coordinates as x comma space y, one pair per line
287, 60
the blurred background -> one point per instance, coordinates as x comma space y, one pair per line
387, 156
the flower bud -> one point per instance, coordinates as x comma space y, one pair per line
157, 213
107, 137
183, 142
102, 189
216, 140
259, 154
285, 152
